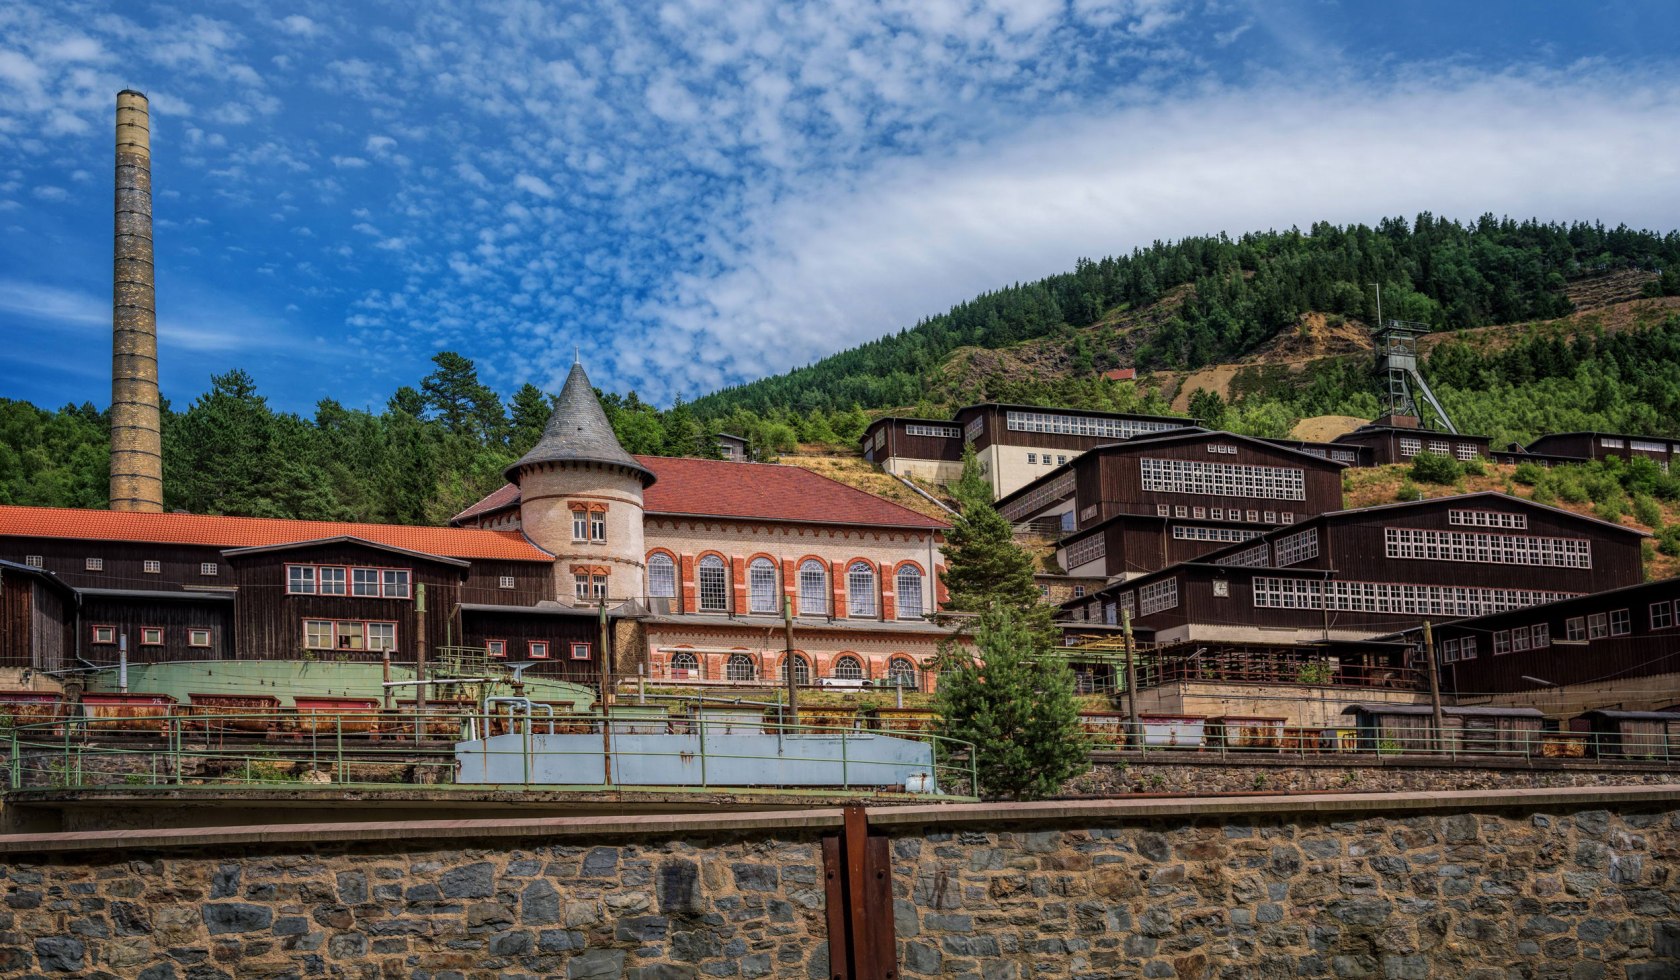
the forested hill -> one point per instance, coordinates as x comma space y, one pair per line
1224, 297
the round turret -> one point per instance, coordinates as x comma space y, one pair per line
580, 498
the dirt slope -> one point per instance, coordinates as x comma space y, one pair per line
854, 471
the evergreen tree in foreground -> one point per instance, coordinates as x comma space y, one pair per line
1015, 705
988, 569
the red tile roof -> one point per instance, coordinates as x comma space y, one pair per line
752, 491
246, 532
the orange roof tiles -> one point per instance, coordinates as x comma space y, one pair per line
245, 532
748, 491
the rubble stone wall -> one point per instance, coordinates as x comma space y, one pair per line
1474, 892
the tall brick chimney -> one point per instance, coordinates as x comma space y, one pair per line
136, 436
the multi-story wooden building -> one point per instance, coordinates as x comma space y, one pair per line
1015, 444
1149, 502
1380, 444
1614, 639
692, 558
1583, 446
1358, 574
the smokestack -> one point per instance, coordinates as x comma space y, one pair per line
136, 435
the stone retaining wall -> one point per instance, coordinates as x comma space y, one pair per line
1274, 775
1574, 883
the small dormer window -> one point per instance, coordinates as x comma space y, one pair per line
95, 565
207, 568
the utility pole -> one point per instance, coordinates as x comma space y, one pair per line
420, 661
601, 657
1434, 687
1132, 730
787, 662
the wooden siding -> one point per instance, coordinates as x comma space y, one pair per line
1112, 481
37, 626
559, 631
175, 617
1591, 446
1643, 652
269, 624
180, 565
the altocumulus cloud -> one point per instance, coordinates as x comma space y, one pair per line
706, 191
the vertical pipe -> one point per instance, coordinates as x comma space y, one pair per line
136, 482
122, 663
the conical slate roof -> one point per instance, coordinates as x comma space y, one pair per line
578, 432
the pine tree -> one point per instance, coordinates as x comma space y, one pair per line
1015, 705
972, 485
988, 570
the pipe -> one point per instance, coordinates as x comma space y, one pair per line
122, 664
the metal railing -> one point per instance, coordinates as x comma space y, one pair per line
373, 749
1186, 735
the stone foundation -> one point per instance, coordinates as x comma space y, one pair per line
1568, 883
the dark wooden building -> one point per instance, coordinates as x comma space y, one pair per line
37, 618
1600, 445
732, 447
1015, 444
1614, 635
1381, 445
1357, 574
169, 587
1153, 501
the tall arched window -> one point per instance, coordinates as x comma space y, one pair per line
848, 668
860, 589
662, 576
909, 592
761, 586
685, 664
714, 585
902, 672
813, 589
740, 668
801, 669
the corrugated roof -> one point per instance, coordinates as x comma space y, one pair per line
250, 532
749, 491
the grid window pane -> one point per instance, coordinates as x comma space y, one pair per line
761, 586
909, 589
333, 581
740, 668
382, 636
580, 526
685, 664
714, 584
902, 672
860, 589
813, 589
317, 634
300, 579
848, 668
662, 577
364, 581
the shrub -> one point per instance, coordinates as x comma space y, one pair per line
1474, 466
1529, 474
1408, 491
1609, 510
1544, 495
1668, 540
1570, 489
1646, 511
1434, 468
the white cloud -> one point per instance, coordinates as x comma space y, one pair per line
49, 192
53, 304
533, 185
839, 263
349, 163
299, 25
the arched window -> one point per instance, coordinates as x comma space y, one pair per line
761, 586
740, 668
662, 576
714, 585
801, 669
860, 589
848, 668
902, 672
909, 592
685, 664
813, 589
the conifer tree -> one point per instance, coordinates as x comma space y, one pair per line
988, 569
1015, 705
972, 485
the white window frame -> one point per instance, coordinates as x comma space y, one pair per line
505, 582
151, 636
1621, 622
712, 590
763, 587
1662, 615
94, 565
813, 588
860, 590
662, 576
907, 587
195, 632
151, 566
208, 568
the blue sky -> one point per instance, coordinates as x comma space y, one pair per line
698, 193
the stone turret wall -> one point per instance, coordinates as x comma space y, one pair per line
548, 492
